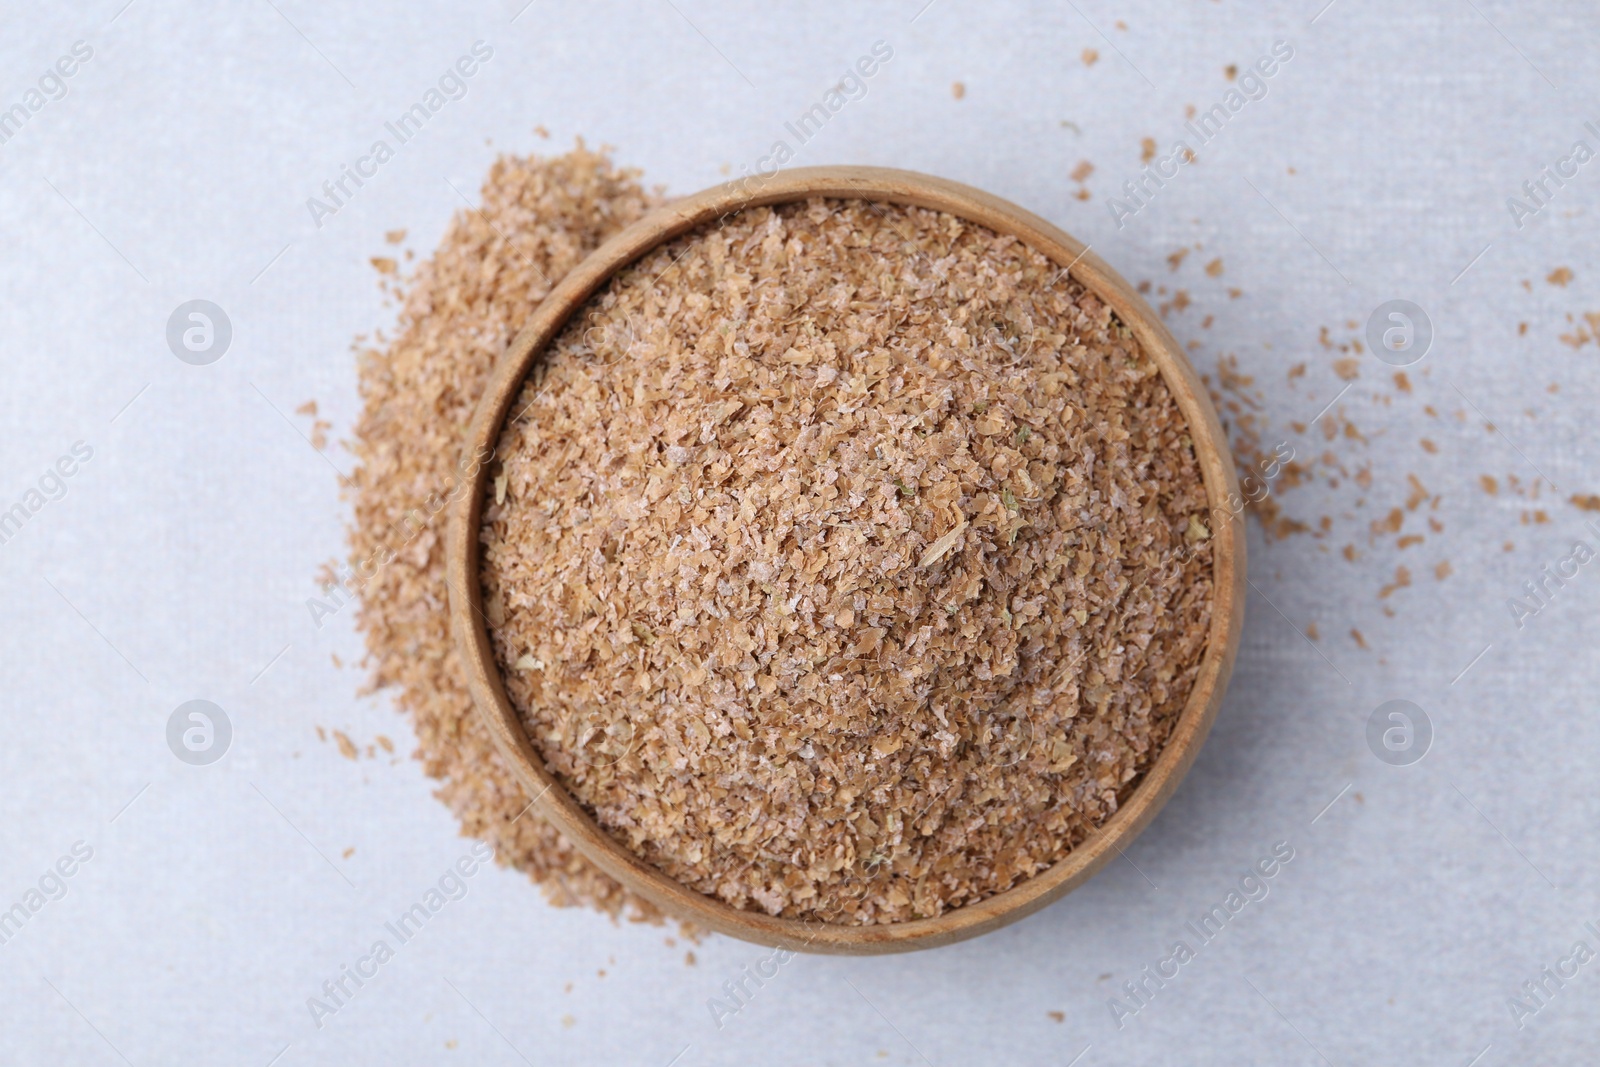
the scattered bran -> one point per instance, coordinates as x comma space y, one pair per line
538, 219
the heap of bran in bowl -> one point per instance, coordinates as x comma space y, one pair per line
839, 560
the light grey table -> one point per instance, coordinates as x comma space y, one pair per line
173, 564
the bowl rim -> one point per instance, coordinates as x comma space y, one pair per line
555, 804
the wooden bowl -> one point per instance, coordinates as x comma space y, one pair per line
900, 187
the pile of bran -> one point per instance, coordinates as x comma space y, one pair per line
538, 219
847, 562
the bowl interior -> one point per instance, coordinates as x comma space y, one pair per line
900, 187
